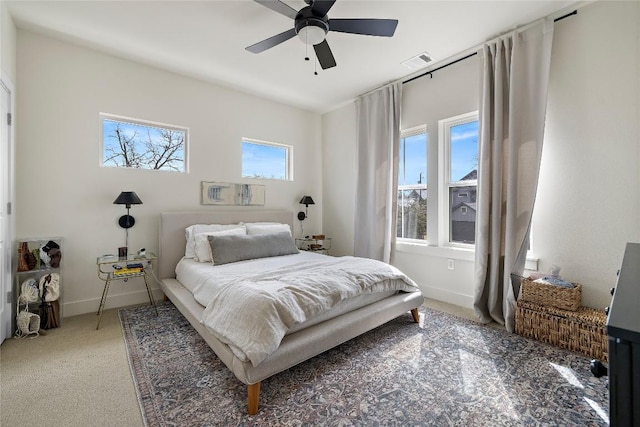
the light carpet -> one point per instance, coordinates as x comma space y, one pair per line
446, 371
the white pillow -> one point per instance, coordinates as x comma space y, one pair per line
266, 228
191, 231
203, 248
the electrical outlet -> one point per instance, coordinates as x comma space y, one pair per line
451, 264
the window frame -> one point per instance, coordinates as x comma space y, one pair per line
413, 131
288, 158
444, 174
145, 123
437, 247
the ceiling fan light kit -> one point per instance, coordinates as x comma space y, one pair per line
311, 25
311, 34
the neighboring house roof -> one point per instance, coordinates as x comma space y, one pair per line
469, 205
416, 195
471, 176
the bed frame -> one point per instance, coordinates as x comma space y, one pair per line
294, 348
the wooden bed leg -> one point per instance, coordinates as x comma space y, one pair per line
253, 395
416, 315
165, 298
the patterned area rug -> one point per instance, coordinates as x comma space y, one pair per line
447, 371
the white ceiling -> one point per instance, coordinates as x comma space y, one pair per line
207, 39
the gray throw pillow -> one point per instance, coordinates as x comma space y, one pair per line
226, 249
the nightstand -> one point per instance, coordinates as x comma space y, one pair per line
315, 244
110, 268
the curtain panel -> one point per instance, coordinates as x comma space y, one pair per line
376, 204
513, 100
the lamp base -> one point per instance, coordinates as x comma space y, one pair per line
126, 221
301, 216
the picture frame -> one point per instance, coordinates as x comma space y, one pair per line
226, 193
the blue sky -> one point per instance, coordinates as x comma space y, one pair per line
464, 154
413, 161
265, 161
464, 149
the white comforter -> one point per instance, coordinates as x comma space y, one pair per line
252, 312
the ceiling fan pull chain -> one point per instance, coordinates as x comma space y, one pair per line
306, 49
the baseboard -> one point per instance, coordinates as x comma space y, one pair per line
75, 308
444, 295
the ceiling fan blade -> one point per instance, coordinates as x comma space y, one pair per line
369, 27
271, 41
321, 7
278, 6
325, 57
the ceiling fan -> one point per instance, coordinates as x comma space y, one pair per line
311, 25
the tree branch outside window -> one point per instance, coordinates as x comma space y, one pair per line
131, 144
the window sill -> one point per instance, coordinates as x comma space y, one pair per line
464, 254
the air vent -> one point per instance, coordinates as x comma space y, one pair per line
418, 61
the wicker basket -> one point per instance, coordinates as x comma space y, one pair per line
583, 330
550, 295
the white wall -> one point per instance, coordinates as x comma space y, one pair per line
62, 190
338, 179
7, 43
588, 201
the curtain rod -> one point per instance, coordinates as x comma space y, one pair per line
575, 12
430, 72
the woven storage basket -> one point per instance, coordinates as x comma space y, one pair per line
550, 295
583, 330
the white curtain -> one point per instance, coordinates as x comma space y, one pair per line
513, 100
378, 138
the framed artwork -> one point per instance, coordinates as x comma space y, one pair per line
226, 193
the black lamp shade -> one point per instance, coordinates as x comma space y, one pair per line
307, 200
127, 198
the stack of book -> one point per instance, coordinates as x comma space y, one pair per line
129, 270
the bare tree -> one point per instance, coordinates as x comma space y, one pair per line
163, 154
123, 154
162, 149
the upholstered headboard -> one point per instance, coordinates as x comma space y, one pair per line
172, 239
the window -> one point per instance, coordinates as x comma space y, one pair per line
412, 184
140, 144
266, 160
458, 147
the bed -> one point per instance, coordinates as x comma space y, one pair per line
305, 340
